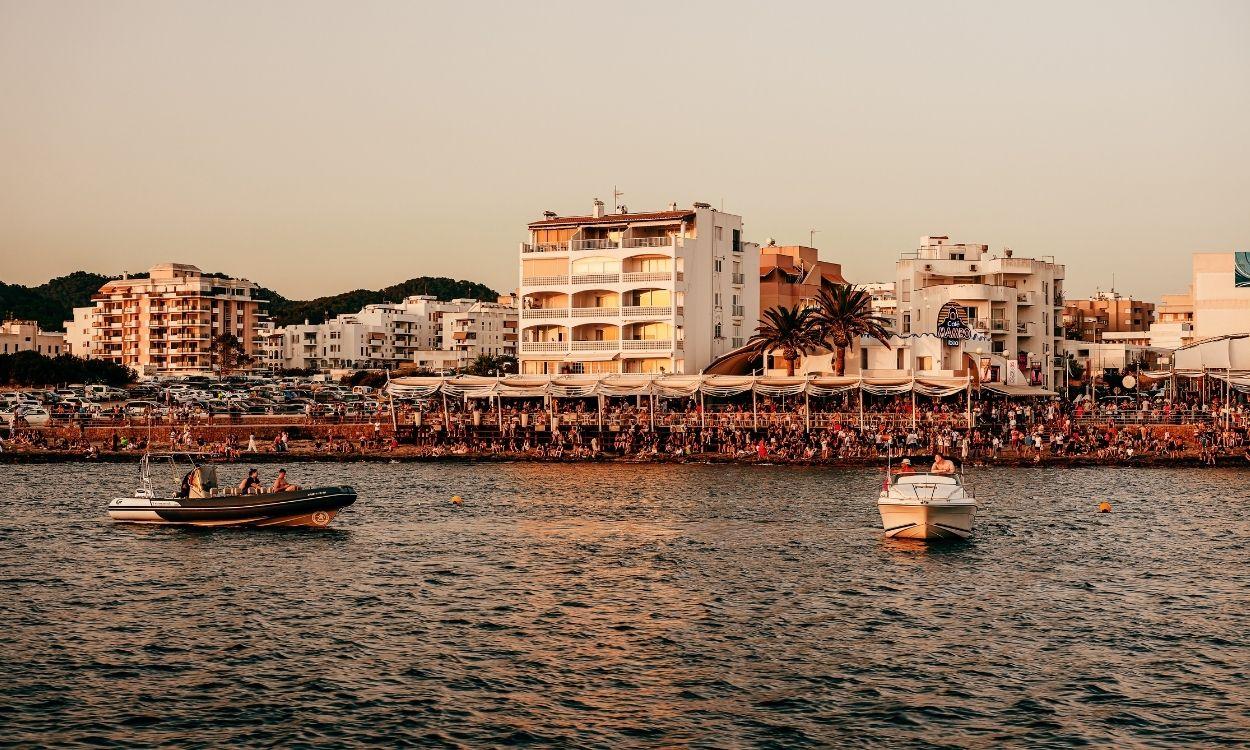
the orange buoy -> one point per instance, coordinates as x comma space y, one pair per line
1104, 507
456, 500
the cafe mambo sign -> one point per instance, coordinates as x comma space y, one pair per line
951, 326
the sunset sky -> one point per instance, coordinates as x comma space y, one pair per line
317, 147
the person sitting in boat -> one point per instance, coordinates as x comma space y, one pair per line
250, 484
942, 465
281, 485
906, 467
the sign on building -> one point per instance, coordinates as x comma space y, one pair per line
951, 326
1241, 269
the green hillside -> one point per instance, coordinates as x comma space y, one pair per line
52, 303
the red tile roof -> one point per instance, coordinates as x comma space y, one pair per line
561, 221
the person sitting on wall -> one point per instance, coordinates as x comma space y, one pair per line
281, 485
942, 465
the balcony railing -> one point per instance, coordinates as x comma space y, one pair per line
737, 342
1022, 328
649, 242
647, 344
545, 247
537, 347
596, 312
539, 280
647, 276
596, 278
545, 312
595, 245
1024, 298
739, 278
647, 311
998, 325
596, 346
738, 311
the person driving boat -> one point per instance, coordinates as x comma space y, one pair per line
942, 465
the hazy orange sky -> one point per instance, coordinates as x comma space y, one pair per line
317, 147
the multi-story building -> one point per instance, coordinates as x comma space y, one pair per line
1220, 294
25, 336
1018, 302
482, 328
1106, 312
419, 329
884, 299
165, 323
1174, 324
792, 275
664, 291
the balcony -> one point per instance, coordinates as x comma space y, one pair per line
650, 345
649, 276
738, 342
596, 346
545, 312
649, 242
540, 347
541, 280
596, 278
738, 311
545, 247
739, 279
647, 311
998, 325
595, 245
1024, 298
1022, 329
596, 312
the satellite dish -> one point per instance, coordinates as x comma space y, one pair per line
1129, 381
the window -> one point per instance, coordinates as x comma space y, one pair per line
737, 240
906, 322
970, 313
863, 358
716, 299
716, 265
720, 234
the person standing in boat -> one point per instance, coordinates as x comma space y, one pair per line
250, 484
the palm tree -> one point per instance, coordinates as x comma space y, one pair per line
792, 330
844, 313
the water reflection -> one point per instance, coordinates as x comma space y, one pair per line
630, 605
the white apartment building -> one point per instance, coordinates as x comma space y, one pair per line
664, 291
884, 299
1017, 302
419, 329
25, 336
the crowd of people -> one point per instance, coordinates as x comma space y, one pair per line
769, 429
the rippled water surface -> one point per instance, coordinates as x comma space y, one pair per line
612, 606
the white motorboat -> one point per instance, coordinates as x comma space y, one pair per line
926, 506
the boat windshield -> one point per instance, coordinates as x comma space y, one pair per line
926, 479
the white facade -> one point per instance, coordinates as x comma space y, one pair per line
1016, 302
1221, 308
384, 336
884, 298
25, 336
665, 291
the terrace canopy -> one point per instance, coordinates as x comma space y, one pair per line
670, 386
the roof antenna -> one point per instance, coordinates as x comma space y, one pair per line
811, 237
616, 199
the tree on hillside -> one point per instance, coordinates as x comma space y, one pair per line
790, 330
226, 354
843, 313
